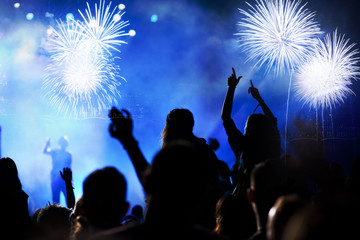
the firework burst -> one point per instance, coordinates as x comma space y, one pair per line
324, 79
82, 79
277, 33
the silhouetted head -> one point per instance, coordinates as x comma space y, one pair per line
179, 125
54, 222
268, 181
233, 217
9, 174
63, 141
283, 210
262, 140
259, 125
177, 170
104, 198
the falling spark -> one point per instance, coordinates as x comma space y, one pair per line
278, 33
324, 80
82, 79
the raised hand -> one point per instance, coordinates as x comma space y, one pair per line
121, 128
66, 175
254, 91
233, 80
46, 148
121, 124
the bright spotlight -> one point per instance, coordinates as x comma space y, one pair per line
154, 18
132, 33
121, 6
69, 17
29, 16
16, 5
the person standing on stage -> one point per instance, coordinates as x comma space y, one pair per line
61, 158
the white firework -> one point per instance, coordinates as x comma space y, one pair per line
82, 79
278, 33
105, 27
324, 80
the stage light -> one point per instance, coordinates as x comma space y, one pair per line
69, 17
121, 6
132, 33
29, 16
16, 5
154, 18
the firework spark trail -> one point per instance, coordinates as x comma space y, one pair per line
102, 27
82, 79
324, 80
278, 33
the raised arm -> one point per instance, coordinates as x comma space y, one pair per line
227, 106
46, 148
66, 175
121, 128
255, 93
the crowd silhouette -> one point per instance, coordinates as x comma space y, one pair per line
190, 192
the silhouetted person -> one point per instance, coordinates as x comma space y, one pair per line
260, 141
104, 199
222, 169
53, 222
61, 159
15, 219
179, 126
280, 214
179, 197
234, 218
268, 182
